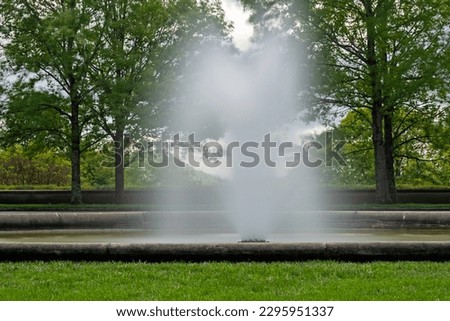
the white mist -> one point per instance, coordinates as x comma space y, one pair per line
240, 99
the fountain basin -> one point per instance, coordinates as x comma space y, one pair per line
20, 220
145, 252
208, 236
151, 236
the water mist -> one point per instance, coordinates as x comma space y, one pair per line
248, 104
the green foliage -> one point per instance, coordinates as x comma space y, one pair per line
357, 152
51, 46
24, 167
384, 61
50, 50
96, 176
98, 172
301, 281
138, 59
27, 167
31, 119
412, 60
91, 69
419, 163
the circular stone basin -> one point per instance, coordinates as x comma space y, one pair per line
168, 237
210, 236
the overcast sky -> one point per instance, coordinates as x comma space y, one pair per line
243, 30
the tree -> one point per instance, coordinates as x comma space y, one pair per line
50, 45
388, 57
135, 33
94, 69
418, 161
143, 43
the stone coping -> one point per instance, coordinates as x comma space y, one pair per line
233, 252
23, 220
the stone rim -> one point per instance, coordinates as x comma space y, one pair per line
234, 252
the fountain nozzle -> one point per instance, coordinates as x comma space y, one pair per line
253, 241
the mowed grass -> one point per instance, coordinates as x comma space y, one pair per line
315, 280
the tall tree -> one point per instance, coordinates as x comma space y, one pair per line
143, 43
389, 57
50, 45
135, 33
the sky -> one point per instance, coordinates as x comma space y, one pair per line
243, 30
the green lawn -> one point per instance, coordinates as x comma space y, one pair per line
316, 280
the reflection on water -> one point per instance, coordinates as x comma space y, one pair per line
149, 236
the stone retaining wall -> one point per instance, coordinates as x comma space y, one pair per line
209, 196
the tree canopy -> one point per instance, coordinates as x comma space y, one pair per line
385, 60
85, 70
79, 72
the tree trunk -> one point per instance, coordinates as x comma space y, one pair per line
76, 168
382, 194
387, 112
389, 151
119, 171
75, 123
